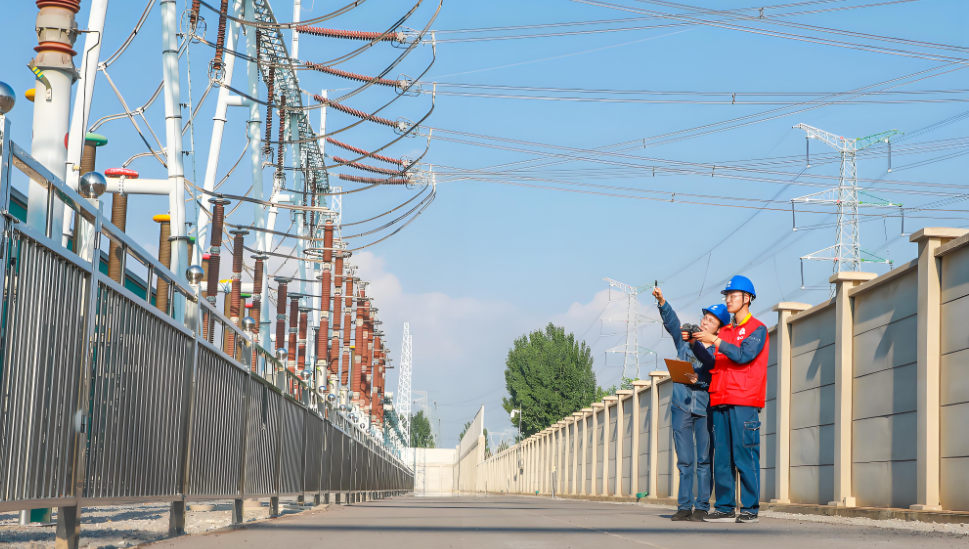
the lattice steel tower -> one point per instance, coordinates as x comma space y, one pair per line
403, 384
631, 349
846, 252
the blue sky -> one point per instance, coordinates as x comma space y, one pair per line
489, 261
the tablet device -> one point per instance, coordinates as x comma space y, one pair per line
679, 370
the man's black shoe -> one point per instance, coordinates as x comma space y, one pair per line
682, 514
698, 515
747, 517
717, 516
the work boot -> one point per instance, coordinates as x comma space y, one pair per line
698, 515
682, 514
717, 516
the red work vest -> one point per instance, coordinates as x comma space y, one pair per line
740, 384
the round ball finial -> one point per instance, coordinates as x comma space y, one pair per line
248, 323
92, 185
282, 354
331, 398
8, 98
195, 274
343, 407
306, 375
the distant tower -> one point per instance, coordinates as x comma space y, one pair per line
403, 385
846, 252
631, 349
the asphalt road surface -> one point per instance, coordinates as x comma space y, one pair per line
535, 523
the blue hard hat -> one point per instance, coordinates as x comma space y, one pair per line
740, 284
720, 311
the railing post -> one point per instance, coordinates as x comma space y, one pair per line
68, 535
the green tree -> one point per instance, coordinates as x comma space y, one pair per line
420, 431
549, 376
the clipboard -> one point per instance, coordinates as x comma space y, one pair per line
679, 370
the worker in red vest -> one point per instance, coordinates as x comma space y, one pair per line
738, 389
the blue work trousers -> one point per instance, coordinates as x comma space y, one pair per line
736, 443
691, 437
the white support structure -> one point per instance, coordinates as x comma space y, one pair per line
633, 320
403, 383
846, 254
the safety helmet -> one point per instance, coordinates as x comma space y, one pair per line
720, 311
740, 284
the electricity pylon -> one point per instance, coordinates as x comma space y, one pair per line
631, 349
846, 252
403, 384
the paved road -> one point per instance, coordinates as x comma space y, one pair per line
534, 523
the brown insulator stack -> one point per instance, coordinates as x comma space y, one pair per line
281, 290
359, 351
301, 342
267, 149
323, 335
119, 209
257, 290
347, 345
235, 308
215, 247
193, 16
337, 290
365, 360
164, 257
378, 379
293, 328
220, 37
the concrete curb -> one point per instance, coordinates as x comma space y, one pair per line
874, 513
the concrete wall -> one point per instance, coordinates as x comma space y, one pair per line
812, 406
867, 398
768, 426
434, 470
954, 373
884, 418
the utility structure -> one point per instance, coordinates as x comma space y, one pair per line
631, 349
403, 383
846, 254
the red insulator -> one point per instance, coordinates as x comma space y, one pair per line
365, 167
72, 5
373, 180
354, 112
193, 16
119, 172
362, 152
55, 46
352, 75
352, 35
220, 36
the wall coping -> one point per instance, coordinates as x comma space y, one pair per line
813, 310
936, 232
851, 276
953, 245
891, 275
790, 306
624, 392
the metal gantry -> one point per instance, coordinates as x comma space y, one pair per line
633, 320
846, 254
403, 383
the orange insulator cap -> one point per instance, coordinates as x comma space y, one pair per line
29, 94
161, 218
206, 256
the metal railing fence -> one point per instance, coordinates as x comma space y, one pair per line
105, 399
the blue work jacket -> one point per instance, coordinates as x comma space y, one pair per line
694, 398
